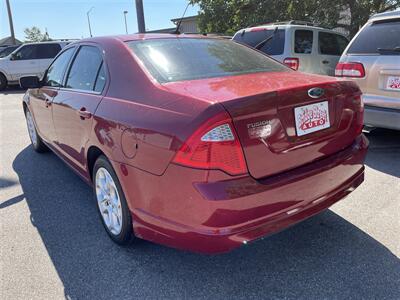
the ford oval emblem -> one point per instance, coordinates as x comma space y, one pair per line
316, 92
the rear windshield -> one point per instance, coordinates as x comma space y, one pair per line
377, 38
275, 46
179, 59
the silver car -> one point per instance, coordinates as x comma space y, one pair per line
372, 60
300, 45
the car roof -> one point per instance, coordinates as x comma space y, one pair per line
149, 36
45, 42
385, 15
286, 26
142, 36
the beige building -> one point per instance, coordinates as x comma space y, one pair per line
188, 25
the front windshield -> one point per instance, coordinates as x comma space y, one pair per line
179, 59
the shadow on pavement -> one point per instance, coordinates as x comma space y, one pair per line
384, 151
13, 90
324, 257
4, 182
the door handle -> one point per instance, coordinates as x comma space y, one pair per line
84, 114
325, 62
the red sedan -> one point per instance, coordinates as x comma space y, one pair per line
197, 143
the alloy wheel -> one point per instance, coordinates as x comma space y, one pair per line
108, 201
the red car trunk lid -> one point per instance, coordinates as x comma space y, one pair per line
267, 127
263, 111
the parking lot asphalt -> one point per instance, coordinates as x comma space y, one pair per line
53, 245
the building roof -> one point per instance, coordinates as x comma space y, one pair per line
7, 41
164, 30
190, 18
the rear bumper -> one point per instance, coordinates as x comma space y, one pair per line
239, 211
382, 117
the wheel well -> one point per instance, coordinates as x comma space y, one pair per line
1, 73
92, 155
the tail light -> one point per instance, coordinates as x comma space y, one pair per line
292, 62
214, 145
350, 69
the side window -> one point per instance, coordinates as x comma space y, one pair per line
85, 68
47, 51
55, 73
26, 52
101, 80
303, 41
331, 44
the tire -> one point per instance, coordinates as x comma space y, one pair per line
3, 82
36, 141
111, 202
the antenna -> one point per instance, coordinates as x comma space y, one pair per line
180, 21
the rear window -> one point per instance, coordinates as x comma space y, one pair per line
376, 36
303, 41
181, 59
275, 46
331, 44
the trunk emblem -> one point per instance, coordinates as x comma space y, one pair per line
260, 129
316, 92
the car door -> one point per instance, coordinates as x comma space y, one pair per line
41, 99
330, 48
76, 102
46, 54
24, 62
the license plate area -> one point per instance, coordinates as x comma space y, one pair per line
393, 83
311, 118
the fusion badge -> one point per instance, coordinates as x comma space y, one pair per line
260, 129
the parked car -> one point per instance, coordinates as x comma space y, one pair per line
372, 60
28, 59
194, 142
299, 45
7, 51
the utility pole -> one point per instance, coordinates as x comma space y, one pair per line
11, 22
140, 16
88, 19
126, 26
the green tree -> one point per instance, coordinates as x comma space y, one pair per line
34, 34
228, 16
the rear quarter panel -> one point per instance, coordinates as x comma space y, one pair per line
139, 122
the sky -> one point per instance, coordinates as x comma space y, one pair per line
67, 19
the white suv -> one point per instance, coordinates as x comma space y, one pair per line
299, 45
28, 59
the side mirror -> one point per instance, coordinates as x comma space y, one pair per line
30, 82
13, 56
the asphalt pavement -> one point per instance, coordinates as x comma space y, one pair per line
53, 245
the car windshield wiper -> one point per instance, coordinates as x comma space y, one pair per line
394, 49
263, 42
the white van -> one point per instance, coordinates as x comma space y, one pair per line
28, 59
299, 45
